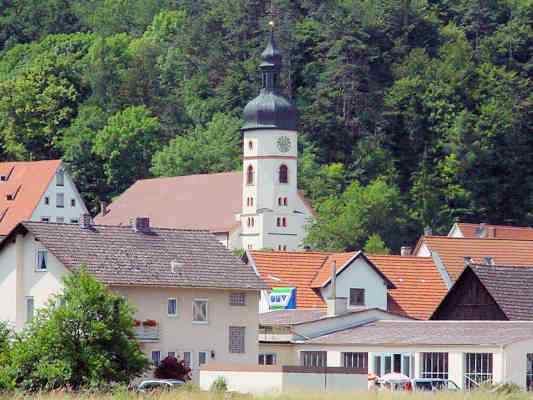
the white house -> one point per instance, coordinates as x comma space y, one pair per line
194, 299
259, 207
37, 191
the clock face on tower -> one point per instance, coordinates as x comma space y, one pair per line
284, 144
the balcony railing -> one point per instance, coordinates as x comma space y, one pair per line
146, 333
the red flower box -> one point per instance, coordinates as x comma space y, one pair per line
150, 322
136, 322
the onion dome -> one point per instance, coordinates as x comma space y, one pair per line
270, 110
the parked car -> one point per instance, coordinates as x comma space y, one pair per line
159, 384
434, 385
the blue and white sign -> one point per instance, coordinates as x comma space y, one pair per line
282, 299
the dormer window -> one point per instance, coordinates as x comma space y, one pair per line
60, 178
283, 174
250, 175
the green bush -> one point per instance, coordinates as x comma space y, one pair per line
82, 339
219, 385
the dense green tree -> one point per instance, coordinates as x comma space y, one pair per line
213, 148
345, 221
126, 145
375, 245
83, 337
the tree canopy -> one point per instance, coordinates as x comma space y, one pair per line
430, 97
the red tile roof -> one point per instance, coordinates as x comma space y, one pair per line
292, 269
452, 251
419, 285
24, 183
207, 201
495, 231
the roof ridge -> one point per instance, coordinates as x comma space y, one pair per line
116, 226
488, 240
185, 176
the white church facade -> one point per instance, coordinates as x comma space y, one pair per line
257, 208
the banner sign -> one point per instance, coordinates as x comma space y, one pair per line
282, 299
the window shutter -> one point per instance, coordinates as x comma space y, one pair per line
236, 339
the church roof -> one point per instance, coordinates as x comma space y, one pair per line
207, 201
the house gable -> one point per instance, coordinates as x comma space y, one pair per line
468, 299
359, 273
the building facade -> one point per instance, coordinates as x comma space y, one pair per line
178, 281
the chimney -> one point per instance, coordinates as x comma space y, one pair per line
141, 224
103, 208
333, 280
467, 260
489, 260
336, 305
85, 221
406, 250
428, 231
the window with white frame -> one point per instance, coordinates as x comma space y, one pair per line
42, 260
237, 336
45, 219
267, 359
74, 221
60, 220
202, 358
187, 357
30, 308
314, 359
199, 310
237, 299
434, 365
60, 178
156, 357
46, 200
355, 360
172, 307
60, 200
529, 372
73, 202
478, 370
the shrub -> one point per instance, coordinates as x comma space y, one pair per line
219, 385
171, 368
82, 339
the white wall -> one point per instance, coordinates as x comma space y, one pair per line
180, 334
423, 251
515, 362
266, 159
359, 274
8, 284
51, 211
32, 283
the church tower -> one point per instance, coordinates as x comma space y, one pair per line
273, 214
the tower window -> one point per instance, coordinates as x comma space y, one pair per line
278, 221
279, 201
283, 174
250, 145
251, 201
285, 201
253, 221
250, 175
284, 221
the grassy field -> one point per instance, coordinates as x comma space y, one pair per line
185, 395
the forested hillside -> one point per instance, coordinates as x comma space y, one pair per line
413, 113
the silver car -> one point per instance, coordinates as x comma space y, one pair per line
159, 384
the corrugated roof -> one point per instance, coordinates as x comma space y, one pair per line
453, 251
21, 189
431, 333
117, 255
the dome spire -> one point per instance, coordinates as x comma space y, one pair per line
270, 110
